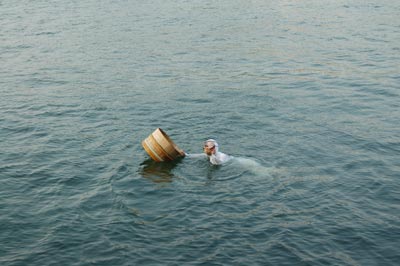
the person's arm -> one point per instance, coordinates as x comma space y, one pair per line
195, 155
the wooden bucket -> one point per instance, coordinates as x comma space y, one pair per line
160, 147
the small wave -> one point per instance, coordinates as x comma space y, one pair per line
47, 33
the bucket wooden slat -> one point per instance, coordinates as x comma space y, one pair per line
160, 147
155, 151
166, 144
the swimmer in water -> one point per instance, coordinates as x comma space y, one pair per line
214, 155
211, 151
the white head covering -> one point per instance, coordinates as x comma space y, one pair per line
214, 142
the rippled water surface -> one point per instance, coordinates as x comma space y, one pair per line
304, 94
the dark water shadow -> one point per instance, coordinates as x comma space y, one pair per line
158, 172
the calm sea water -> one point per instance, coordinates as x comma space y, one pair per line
304, 94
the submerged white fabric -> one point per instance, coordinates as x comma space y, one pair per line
219, 158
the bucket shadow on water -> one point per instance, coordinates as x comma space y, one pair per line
158, 172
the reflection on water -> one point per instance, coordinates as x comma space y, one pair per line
158, 172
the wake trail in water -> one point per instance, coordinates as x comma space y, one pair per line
253, 166
249, 165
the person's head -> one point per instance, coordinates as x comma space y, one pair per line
210, 147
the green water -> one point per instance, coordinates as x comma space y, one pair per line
303, 94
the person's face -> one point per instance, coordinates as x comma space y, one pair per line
209, 148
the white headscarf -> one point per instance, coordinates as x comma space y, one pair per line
214, 142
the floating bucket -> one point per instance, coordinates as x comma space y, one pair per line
160, 147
